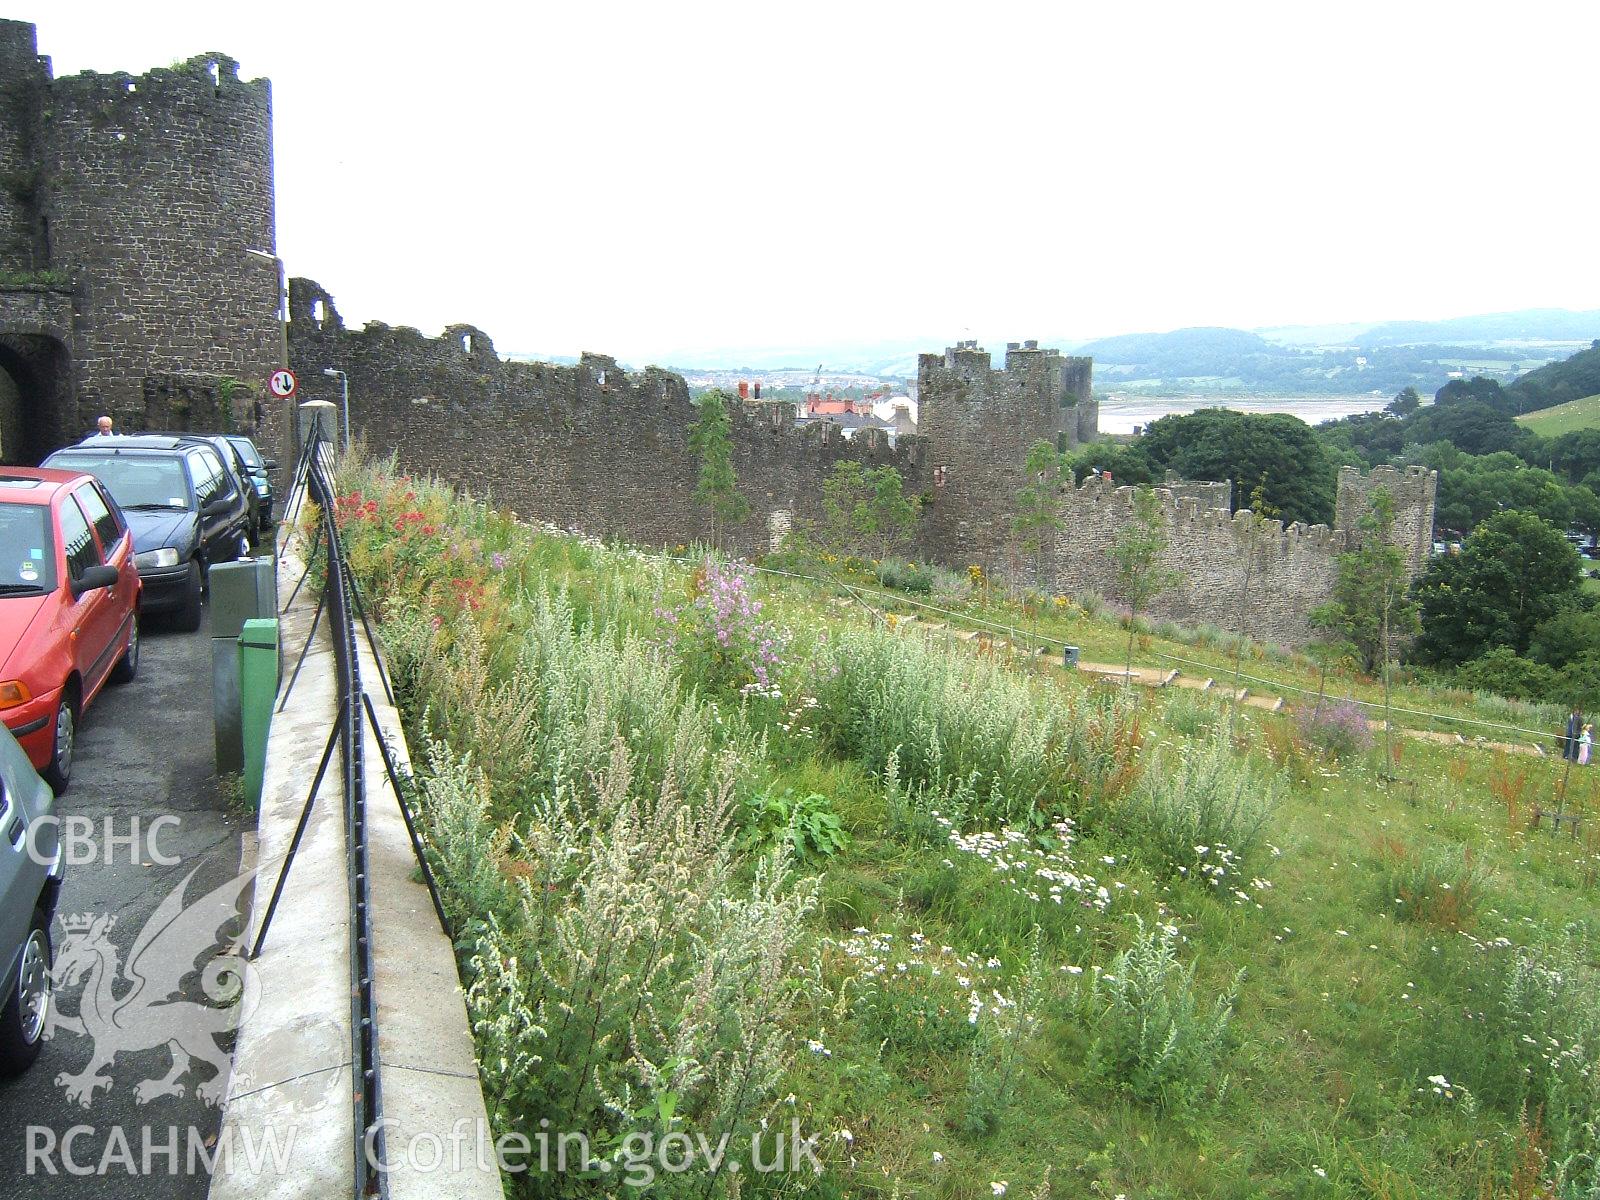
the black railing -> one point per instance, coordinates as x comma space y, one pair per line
341, 600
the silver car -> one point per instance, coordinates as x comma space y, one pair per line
30, 882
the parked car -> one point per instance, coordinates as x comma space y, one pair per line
31, 868
259, 474
69, 608
184, 507
239, 471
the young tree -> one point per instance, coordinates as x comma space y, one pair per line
1039, 504
1371, 607
1136, 551
866, 512
717, 487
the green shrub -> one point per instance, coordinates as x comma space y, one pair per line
907, 577
1506, 673
1199, 812
1191, 714
1154, 1038
1440, 886
806, 824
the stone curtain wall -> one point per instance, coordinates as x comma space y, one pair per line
595, 448
587, 446
979, 423
1291, 569
146, 191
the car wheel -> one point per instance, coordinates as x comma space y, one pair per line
188, 617
128, 665
22, 1022
58, 772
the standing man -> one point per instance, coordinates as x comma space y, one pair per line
1569, 744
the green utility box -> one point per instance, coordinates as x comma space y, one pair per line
258, 688
241, 592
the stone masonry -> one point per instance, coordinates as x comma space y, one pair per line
1260, 579
595, 448
126, 206
587, 446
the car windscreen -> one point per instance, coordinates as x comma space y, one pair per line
136, 481
247, 451
27, 551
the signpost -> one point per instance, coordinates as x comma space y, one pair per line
283, 384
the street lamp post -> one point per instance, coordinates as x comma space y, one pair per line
344, 402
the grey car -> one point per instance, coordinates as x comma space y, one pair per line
30, 882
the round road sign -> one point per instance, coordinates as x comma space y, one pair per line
283, 383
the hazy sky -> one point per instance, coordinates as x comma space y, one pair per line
644, 178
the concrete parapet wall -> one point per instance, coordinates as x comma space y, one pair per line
292, 1065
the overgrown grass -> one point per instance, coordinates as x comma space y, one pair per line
1015, 959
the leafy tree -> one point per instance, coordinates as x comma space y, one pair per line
1473, 488
1565, 637
1469, 425
1404, 404
1514, 572
1039, 504
1370, 607
1506, 673
1573, 455
1281, 451
867, 512
1476, 390
717, 487
1127, 463
1136, 551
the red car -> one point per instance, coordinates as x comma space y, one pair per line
69, 608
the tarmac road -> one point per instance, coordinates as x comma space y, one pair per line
144, 751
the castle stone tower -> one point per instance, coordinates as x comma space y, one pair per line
980, 423
128, 205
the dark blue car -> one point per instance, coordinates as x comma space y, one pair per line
186, 509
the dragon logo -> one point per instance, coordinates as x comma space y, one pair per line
133, 1004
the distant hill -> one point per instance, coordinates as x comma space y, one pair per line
1564, 418
1526, 325
1181, 347
1570, 379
